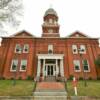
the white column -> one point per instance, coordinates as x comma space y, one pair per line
57, 70
39, 68
61, 67
44, 72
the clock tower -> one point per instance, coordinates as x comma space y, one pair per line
50, 27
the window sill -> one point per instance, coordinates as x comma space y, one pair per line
77, 70
22, 70
12, 70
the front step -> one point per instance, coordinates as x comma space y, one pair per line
50, 79
50, 97
50, 91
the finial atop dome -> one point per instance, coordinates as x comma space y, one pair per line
50, 11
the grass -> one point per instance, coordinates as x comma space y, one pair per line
92, 89
22, 88
25, 88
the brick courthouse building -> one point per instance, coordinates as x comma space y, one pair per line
23, 54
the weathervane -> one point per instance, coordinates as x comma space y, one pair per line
51, 5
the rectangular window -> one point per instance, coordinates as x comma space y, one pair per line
74, 49
23, 65
86, 66
76, 65
26, 48
82, 49
14, 65
18, 48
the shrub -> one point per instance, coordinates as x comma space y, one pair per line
2, 78
12, 78
71, 77
28, 78
89, 78
20, 78
80, 78
98, 78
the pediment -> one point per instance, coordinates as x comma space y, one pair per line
23, 34
78, 34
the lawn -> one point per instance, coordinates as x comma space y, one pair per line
22, 88
25, 88
92, 89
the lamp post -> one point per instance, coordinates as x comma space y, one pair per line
84, 77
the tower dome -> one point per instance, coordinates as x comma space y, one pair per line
50, 25
50, 11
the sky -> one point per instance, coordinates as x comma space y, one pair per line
74, 15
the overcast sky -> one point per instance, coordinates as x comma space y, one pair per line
81, 15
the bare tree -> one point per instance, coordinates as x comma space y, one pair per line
11, 12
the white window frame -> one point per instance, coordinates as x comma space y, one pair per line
77, 63
16, 48
74, 47
82, 47
50, 47
25, 47
83, 65
12, 65
22, 64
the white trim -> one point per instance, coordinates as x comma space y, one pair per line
50, 56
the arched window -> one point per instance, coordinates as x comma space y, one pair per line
50, 48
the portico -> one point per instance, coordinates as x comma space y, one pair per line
50, 65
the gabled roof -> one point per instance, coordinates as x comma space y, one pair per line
78, 34
23, 34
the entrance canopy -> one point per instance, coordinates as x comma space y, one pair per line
50, 56
50, 65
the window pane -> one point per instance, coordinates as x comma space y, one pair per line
86, 67
18, 48
74, 49
26, 48
85, 64
76, 65
14, 65
83, 49
23, 64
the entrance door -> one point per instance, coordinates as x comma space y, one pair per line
50, 70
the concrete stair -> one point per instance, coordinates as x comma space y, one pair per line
50, 91
50, 79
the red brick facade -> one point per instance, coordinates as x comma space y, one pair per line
39, 45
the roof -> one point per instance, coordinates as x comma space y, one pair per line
50, 11
78, 34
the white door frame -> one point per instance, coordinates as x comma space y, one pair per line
46, 69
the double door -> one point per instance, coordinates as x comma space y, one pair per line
50, 69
